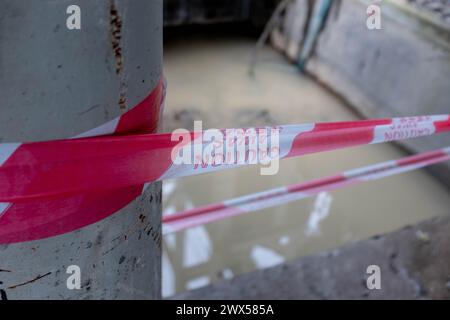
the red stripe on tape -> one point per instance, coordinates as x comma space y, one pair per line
345, 134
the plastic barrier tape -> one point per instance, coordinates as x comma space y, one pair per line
53, 187
278, 196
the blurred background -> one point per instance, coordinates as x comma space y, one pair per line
241, 63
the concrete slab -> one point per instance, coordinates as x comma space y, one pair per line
414, 264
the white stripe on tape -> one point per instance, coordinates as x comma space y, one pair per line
354, 173
255, 196
407, 128
446, 150
3, 207
105, 129
6, 150
272, 202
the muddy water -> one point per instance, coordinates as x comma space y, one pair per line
208, 81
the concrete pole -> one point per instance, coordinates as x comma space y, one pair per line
57, 83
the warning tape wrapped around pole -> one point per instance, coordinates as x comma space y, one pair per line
57, 82
37, 176
283, 195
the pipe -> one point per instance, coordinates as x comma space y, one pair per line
57, 83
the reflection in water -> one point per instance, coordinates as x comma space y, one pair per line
321, 210
208, 81
197, 247
265, 257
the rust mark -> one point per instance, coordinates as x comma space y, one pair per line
122, 101
30, 281
116, 35
116, 39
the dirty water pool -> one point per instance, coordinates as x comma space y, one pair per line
208, 81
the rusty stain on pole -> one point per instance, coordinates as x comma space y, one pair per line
58, 83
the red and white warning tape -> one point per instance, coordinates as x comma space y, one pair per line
53, 187
283, 195
41, 218
40, 170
